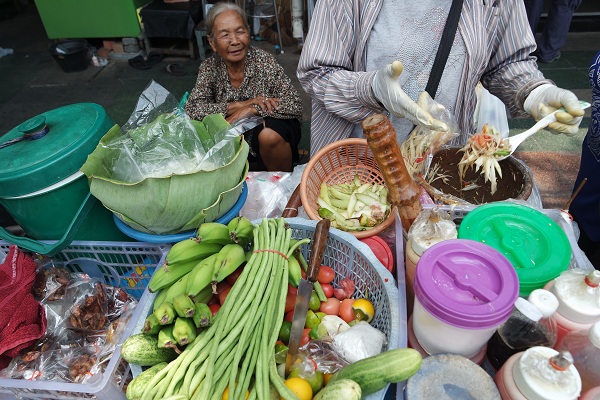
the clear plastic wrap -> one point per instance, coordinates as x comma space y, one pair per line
422, 143
159, 140
433, 225
360, 341
552, 373
318, 355
580, 285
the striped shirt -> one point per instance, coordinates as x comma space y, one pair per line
332, 66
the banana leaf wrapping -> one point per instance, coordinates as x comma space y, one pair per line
165, 177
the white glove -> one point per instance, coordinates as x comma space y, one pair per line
547, 98
387, 89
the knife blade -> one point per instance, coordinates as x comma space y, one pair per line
305, 290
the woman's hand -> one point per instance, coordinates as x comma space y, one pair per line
241, 113
266, 104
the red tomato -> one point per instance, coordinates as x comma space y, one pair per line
290, 302
346, 312
331, 306
289, 316
292, 290
327, 289
222, 285
303, 274
231, 278
326, 274
223, 295
214, 308
304, 338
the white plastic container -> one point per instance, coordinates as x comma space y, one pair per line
585, 348
539, 373
464, 290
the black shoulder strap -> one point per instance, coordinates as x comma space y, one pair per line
444, 50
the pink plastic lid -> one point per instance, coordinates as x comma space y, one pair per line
466, 284
381, 250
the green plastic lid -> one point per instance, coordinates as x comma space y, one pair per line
535, 245
31, 165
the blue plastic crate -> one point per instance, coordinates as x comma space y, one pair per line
126, 265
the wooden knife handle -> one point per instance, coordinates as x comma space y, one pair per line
291, 208
318, 249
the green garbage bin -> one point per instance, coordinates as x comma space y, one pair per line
41, 186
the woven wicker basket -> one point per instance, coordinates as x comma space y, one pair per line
338, 163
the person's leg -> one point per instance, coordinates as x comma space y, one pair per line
556, 29
275, 152
534, 10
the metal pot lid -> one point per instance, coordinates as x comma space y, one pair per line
50, 147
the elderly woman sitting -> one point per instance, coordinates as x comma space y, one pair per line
238, 80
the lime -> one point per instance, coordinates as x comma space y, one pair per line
284, 331
314, 303
363, 310
311, 320
281, 351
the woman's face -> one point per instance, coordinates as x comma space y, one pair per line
231, 38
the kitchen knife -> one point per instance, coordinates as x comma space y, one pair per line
305, 290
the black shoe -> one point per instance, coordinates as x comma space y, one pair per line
545, 60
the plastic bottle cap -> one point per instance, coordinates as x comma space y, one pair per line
594, 334
535, 245
544, 301
527, 309
527, 379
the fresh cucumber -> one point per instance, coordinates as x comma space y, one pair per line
136, 387
142, 349
345, 389
374, 373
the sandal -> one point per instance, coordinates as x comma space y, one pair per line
154, 58
138, 62
174, 69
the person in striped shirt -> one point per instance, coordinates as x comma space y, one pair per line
345, 66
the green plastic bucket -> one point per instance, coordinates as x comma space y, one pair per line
41, 186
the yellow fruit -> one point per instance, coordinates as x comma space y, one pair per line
326, 378
300, 387
226, 394
363, 310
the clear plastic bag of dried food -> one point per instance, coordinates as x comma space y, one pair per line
86, 305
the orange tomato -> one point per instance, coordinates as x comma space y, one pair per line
346, 312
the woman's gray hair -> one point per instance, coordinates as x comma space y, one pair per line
217, 10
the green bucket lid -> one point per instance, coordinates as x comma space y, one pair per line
43, 159
535, 245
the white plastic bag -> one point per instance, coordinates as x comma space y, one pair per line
490, 110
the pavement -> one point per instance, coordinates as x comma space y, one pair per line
32, 82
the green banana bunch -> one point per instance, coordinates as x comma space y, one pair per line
159, 299
184, 306
213, 232
184, 331
180, 260
167, 340
294, 271
203, 296
241, 231
177, 288
203, 316
201, 276
228, 260
165, 313
152, 325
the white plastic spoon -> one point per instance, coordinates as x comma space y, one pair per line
516, 140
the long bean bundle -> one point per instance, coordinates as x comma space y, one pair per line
238, 351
